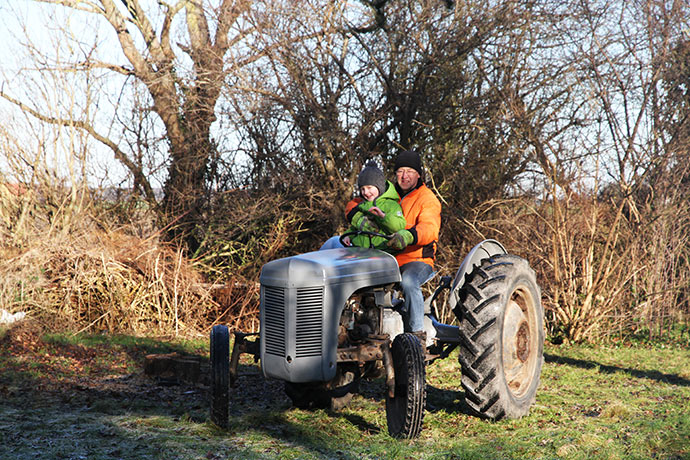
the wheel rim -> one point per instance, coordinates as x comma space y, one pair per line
520, 341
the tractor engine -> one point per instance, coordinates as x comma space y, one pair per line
362, 317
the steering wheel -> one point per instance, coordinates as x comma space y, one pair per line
362, 232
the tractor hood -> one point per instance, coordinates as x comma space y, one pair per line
350, 266
302, 299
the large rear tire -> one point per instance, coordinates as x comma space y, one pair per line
220, 372
502, 337
405, 411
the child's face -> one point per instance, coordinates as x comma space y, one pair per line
369, 192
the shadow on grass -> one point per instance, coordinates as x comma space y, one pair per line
319, 442
118, 414
447, 400
450, 401
359, 422
62, 391
673, 379
261, 405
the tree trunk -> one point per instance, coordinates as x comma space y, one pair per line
185, 189
185, 192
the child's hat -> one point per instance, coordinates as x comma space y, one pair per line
372, 175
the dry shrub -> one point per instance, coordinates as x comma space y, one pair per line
576, 247
69, 269
236, 304
604, 269
110, 281
248, 230
603, 265
17, 206
80, 264
658, 295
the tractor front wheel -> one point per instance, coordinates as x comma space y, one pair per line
405, 411
220, 372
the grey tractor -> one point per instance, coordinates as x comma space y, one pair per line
331, 317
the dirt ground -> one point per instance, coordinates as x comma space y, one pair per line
33, 369
68, 399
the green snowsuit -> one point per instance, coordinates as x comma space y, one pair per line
391, 223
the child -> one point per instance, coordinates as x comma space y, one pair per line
377, 209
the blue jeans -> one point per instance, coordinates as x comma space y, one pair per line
414, 274
331, 243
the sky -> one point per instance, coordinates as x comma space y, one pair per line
25, 22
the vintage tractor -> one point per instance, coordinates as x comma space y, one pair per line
331, 317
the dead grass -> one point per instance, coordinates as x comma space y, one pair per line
603, 273
96, 280
71, 267
74, 262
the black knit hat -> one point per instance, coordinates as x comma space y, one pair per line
372, 175
409, 159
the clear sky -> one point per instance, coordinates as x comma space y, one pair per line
27, 24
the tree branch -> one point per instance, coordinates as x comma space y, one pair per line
133, 168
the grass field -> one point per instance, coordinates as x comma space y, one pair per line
86, 397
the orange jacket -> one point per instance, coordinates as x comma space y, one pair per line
422, 211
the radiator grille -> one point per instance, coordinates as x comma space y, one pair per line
274, 320
308, 324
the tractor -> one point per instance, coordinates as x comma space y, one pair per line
331, 317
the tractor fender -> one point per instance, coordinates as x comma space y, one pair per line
484, 250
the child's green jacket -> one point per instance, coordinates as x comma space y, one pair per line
361, 219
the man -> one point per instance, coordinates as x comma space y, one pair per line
417, 242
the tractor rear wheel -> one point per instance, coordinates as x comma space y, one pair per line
405, 411
220, 372
502, 337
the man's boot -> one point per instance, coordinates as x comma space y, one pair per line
421, 336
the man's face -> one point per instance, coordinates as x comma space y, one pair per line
407, 178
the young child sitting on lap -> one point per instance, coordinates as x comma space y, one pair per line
377, 210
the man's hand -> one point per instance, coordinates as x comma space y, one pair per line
400, 240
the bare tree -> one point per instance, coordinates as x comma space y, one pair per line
183, 71
302, 107
610, 235
390, 75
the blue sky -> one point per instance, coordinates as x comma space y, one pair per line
27, 22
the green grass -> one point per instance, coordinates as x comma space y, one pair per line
89, 399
